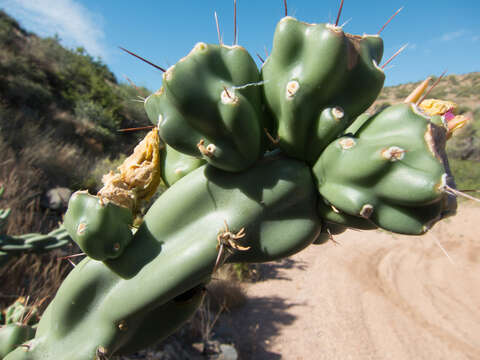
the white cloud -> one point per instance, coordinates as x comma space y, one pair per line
74, 24
453, 35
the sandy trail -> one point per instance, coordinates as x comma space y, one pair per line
374, 296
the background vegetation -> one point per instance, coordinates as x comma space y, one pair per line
60, 110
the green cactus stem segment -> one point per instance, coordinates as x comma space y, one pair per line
217, 117
173, 251
318, 79
99, 227
390, 171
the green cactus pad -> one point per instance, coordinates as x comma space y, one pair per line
176, 165
174, 250
392, 171
99, 227
318, 79
209, 106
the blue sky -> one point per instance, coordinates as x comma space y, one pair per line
441, 35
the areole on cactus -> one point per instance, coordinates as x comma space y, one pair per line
232, 195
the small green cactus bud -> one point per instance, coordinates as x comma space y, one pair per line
99, 227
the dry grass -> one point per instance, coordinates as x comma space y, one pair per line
35, 275
22, 196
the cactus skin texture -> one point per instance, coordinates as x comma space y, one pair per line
392, 171
175, 165
12, 335
204, 108
17, 244
99, 227
318, 79
174, 250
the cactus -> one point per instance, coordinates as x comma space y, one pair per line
392, 171
175, 250
229, 199
318, 79
217, 117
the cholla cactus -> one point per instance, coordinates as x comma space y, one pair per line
230, 198
33, 242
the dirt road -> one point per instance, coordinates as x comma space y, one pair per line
373, 296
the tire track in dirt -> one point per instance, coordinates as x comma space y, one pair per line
375, 296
